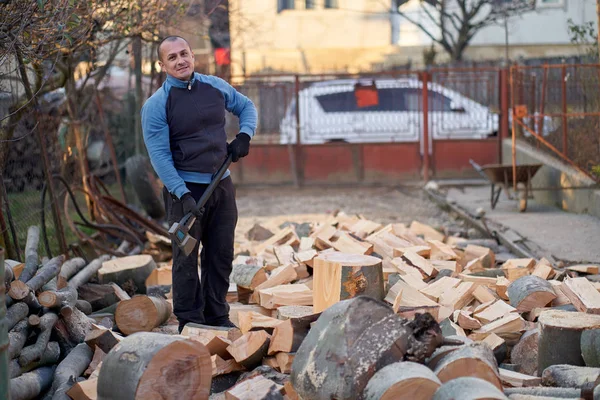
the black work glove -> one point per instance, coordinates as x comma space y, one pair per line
189, 203
239, 147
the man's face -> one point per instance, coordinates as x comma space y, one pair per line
177, 59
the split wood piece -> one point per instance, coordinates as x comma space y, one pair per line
256, 388
518, 267
289, 334
74, 364
285, 236
569, 376
494, 311
306, 256
484, 294
423, 265
529, 292
345, 243
469, 388
402, 380
364, 227
50, 356
561, 297
542, 393
525, 352
341, 276
476, 278
458, 297
160, 276
435, 290
414, 281
516, 379
20, 289
222, 367
17, 338
104, 339
152, 365
284, 361
284, 254
465, 321
128, 272
279, 276
142, 314
30, 385
65, 297
449, 328
441, 251
248, 276
562, 327
87, 272
543, 271
258, 233
286, 295
475, 360
290, 392
31, 254
250, 349
585, 269
582, 294
302, 270
216, 345
96, 361
446, 349
409, 301
35, 352
440, 265
99, 296
77, 324
423, 251
381, 247
199, 331
350, 339
429, 233
86, 390
68, 269
271, 362
486, 256
15, 313
251, 321
498, 346
236, 308
502, 287
306, 243
505, 327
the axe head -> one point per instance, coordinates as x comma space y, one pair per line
180, 235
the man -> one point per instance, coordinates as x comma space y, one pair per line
184, 131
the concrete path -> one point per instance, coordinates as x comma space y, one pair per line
566, 236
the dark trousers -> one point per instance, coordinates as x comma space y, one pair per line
203, 300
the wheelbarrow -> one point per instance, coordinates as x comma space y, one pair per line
501, 176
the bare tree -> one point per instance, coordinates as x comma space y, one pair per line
453, 23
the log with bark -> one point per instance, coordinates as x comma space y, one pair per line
530, 292
69, 369
475, 360
248, 276
351, 340
35, 352
69, 268
289, 334
17, 338
341, 276
250, 349
407, 380
65, 297
545, 393
130, 273
99, 296
49, 357
77, 324
85, 274
31, 254
30, 385
103, 338
84, 306
151, 365
15, 313
590, 347
468, 388
142, 314
525, 352
569, 376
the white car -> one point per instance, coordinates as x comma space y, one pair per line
329, 113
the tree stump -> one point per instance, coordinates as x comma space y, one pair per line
341, 276
150, 365
406, 380
468, 388
475, 360
351, 340
129, 273
141, 314
560, 337
530, 292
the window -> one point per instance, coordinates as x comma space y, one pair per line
437, 101
285, 5
389, 100
309, 4
331, 4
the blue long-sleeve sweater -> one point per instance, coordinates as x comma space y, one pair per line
183, 125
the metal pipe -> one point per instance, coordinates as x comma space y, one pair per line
514, 127
503, 131
425, 79
543, 99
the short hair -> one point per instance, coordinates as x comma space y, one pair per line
170, 39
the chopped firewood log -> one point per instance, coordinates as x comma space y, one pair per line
271, 361
428, 232
142, 314
423, 265
543, 271
484, 294
49, 357
414, 281
423, 251
235, 308
85, 390
444, 350
459, 297
279, 276
68, 269
289, 334
32, 384
340, 276
284, 254
215, 342
496, 310
449, 328
35, 352
502, 287
410, 301
248, 275
160, 276
130, 272
222, 367
569, 376
258, 233
441, 251
562, 327
582, 294
585, 269
96, 361
407, 380
561, 297
20, 289
485, 255
251, 321
31, 254
85, 274
525, 352
542, 393
306, 256
435, 290
475, 360
74, 364
590, 347
505, 327
441, 265
77, 324
149, 365
250, 349
284, 361
257, 388
286, 295
287, 312
104, 339
465, 321
517, 379
498, 346
15, 313
17, 337
469, 388
198, 331
476, 278
285, 236
84, 307
350, 339
529, 292
99, 296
